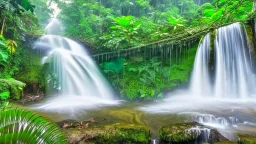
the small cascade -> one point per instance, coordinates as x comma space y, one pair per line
200, 81
217, 122
202, 132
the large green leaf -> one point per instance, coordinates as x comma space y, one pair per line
21, 126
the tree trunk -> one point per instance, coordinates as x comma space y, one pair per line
2, 30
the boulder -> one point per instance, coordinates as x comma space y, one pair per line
189, 133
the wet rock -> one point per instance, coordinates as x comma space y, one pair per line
31, 98
246, 139
75, 124
189, 133
67, 123
215, 136
111, 134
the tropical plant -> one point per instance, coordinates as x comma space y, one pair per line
17, 5
22, 126
4, 54
124, 32
4, 96
11, 45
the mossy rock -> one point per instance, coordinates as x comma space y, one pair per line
14, 87
177, 133
246, 139
111, 134
189, 133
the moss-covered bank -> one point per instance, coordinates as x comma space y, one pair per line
111, 134
186, 133
246, 139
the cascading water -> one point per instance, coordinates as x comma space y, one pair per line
200, 75
79, 81
234, 76
232, 87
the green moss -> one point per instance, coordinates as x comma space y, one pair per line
177, 133
180, 73
212, 39
33, 70
14, 87
122, 134
249, 32
246, 139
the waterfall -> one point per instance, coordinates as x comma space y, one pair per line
200, 82
79, 80
234, 75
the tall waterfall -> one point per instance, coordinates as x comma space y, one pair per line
79, 80
233, 76
200, 82
233, 80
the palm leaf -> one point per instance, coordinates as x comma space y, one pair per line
22, 126
12, 45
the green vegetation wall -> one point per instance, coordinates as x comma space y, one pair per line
140, 78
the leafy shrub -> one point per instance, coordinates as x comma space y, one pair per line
4, 95
12, 86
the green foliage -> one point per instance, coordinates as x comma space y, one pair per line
246, 139
114, 25
18, 125
3, 53
11, 45
16, 17
30, 72
13, 87
4, 96
17, 5
114, 66
143, 79
224, 11
124, 33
